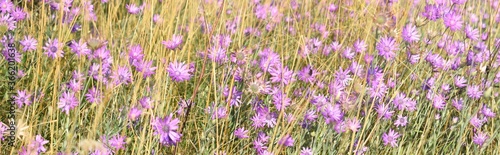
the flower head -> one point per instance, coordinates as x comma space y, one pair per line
178, 71
453, 21
410, 33
241, 133
28, 43
67, 101
53, 49
166, 128
391, 138
387, 47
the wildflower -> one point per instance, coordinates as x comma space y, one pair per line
93, 95
134, 113
474, 92
117, 142
22, 98
280, 100
28, 43
391, 138
174, 43
332, 113
122, 76
53, 49
146, 102
479, 138
487, 112
360, 46
178, 71
401, 121
282, 75
476, 121
471, 33
67, 102
241, 133
453, 21
287, 140
37, 144
353, 124
433, 12
7, 21
410, 33
457, 103
133, 9
460, 81
307, 74
6, 6
306, 151
384, 111
217, 54
166, 128
387, 47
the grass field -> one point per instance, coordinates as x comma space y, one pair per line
249, 77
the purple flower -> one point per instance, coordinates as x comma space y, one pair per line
353, 124
117, 142
22, 98
134, 113
80, 48
433, 12
53, 49
476, 121
457, 103
7, 21
458, 2
410, 33
6, 6
241, 133
281, 75
384, 111
135, 54
146, 102
438, 101
67, 102
122, 76
332, 113
471, 33
145, 67
280, 100
133, 9
93, 96
287, 140
307, 74
474, 92
401, 121
306, 151
174, 43
479, 138
342, 76
387, 47
18, 14
488, 112
391, 138
360, 46
3, 129
460, 81
453, 21
28, 43
217, 54
166, 128
157, 19
178, 71
37, 144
